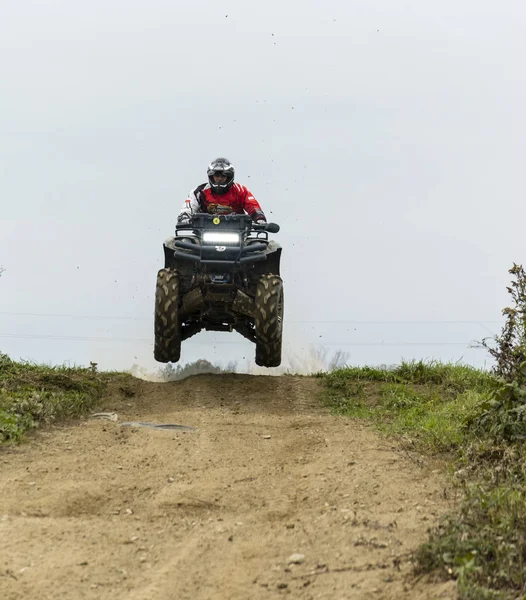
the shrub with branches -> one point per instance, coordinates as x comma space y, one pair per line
502, 417
509, 348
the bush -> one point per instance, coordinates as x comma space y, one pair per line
509, 348
502, 418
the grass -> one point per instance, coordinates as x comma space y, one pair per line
470, 418
32, 395
426, 402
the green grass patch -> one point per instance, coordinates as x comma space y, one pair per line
31, 395
429, 403
479, 423
460, 377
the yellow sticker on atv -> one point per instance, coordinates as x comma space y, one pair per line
216, 221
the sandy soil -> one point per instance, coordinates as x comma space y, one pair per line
97, 510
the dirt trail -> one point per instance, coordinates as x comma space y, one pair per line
98, 511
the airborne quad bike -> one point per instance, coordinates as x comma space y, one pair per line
222, 274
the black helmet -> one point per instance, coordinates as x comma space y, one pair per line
224, 166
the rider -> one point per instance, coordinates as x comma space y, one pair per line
221, 195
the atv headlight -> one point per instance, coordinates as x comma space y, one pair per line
221, 237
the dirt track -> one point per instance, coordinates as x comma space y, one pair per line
97, 511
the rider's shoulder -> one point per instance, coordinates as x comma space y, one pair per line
240, 188
200, 188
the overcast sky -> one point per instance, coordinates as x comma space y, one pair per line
386, 138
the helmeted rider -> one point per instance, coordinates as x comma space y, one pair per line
221, 195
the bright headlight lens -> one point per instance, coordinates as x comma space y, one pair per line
221, 237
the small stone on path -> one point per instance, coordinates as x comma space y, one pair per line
296, 559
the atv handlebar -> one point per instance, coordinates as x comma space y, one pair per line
198, 221
269, 227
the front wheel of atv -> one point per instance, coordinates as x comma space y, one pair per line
167, 347
268, 313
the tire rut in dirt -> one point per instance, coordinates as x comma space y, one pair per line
268, 314
167, 347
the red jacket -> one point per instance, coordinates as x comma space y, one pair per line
238, 199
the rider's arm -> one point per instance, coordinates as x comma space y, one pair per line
252, 207
190, 206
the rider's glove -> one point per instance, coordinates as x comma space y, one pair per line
261, 222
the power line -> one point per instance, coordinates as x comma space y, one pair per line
21, 314
350, 322
221, 342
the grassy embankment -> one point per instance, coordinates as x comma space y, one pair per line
475, 422
32, 395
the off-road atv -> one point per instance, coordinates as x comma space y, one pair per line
221, 273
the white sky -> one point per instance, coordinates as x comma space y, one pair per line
386, 138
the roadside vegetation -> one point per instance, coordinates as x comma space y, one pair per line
31, 395
477, 421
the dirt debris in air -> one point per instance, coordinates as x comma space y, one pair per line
269, 495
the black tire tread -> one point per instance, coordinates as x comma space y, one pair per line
167, 347
268, 317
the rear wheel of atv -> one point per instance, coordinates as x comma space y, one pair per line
167, 346
268, 313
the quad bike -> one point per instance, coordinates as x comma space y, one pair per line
221, 273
